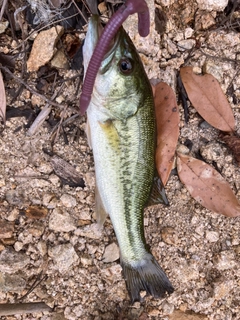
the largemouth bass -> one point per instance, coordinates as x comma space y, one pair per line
121, 132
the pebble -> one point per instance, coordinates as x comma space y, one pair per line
225, 260
222, 289
186, 44
212, 236
42, 248
18, 245
212, 5
11, 282
13, 215
91, 231
44, 47
15, 197
12, 261
111, 253
3, 26
68, 201
60, 60
64, 257
169, 235
6, 229
167, 308
60, 221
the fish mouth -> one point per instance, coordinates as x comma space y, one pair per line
99, 32
95, 30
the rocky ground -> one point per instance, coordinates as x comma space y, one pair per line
51, 248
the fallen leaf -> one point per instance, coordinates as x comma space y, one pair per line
233, 144
3, 102
187, 315
208, 99
207, 186
36, 212
167, 118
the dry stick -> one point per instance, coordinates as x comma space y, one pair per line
4, 4
50, 102
7, 309
42, 115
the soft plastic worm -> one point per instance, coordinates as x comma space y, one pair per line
130, 7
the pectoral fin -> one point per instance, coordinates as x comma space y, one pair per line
101, 213
158, 195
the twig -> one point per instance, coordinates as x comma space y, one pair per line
50, 102
36, 283
42, 115
4, 4
7, 309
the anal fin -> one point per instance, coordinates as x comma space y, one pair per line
158, 195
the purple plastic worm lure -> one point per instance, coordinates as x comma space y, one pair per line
130, 7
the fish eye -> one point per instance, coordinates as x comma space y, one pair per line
125, 66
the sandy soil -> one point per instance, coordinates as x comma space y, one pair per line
48, 228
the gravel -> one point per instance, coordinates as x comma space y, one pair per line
74, 262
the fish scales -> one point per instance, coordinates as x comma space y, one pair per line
121, 124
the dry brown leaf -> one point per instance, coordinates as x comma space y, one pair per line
36, 212
207, 186
208, 99
3, 102
167, 118
233, 144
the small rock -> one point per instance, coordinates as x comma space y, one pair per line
13, 215
169, 236
111, 253
3, 26
90, 179
37, 229
225, 260
167, 308
212, 5
18, 245
15, 198
64, 257
222, 289
12, 261
86, 261
6, 229
44, 47
91, 231
60, 221
212, 151
68, 201
204, 20
102, 7
11, 282
60, 60
186, 44
188, 33
42, 247
212, 236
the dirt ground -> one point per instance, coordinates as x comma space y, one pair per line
51, 249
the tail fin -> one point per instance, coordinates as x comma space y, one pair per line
146, 275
